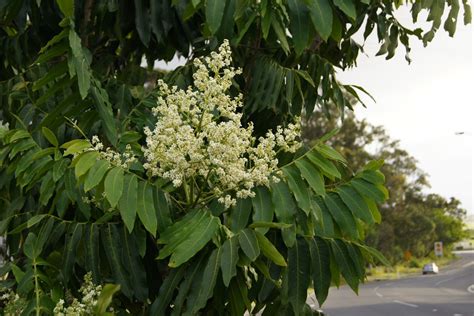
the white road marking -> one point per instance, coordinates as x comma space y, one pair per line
442, 281
468, 264
435, 310
457, 314
470, 289
405, 303
377, 293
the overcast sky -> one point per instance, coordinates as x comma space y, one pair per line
425, 104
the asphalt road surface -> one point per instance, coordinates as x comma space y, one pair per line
450, 293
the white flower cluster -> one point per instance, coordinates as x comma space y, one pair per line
199, 138
123, 160
90, 294
12, 303
3, 128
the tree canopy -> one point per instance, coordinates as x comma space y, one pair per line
93, 198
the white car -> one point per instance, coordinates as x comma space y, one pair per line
430, 268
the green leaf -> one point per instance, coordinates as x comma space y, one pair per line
133, 264
105, 297
262, 207
96, 174
330, 153
298, 275
167, 288
84, 162
369, 190
17, 273
373, 210
66, 7
49, 135
56, 39
47, 189
209, 277
345, 263
43, 152
320, 12
321, 271
229, 257
191, 282
187, 237
75, 146
59, 169
249, 244
92, 246
181, 229
104, 108
299, 21
285, 208
112, 246
280, 32
129, 201
69, 254
355, 203
347, 6
269, 250
243, 30
214, 14
146, 208
44, 234
113, 185
198, 239
342, 215
56, 72
238, 295
375, 254
356, 256
57, 50
467, 12
373, 176
325, 165
298, 187
83, 76
374, 164
29, 248
366, 92
311, 175
163, 214
142, 21
18, 134
239, 214
270, 225
305, 75
35, 220
265, 23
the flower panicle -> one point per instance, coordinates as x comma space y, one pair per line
199, 135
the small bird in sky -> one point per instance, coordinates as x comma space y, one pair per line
459, 133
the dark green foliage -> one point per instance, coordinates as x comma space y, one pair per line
73, 69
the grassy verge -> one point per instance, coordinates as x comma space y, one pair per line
409, 268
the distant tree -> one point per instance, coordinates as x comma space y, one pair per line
412, 219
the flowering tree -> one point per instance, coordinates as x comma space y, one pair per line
190, 194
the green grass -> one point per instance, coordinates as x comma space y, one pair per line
412, 267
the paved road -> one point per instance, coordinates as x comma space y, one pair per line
449, 293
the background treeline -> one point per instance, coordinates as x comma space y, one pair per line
412, 218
